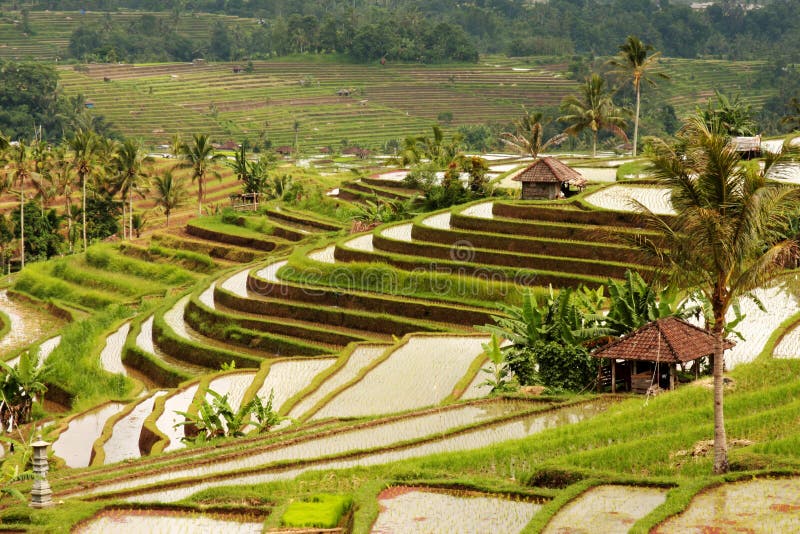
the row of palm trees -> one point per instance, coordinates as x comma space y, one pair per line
593, 109
99, 166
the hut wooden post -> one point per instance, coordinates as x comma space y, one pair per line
613, 375
672, 376
599, 376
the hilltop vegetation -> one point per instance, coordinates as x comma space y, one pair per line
417, 30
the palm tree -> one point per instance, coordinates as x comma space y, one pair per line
528, 140
59, 172
20, 172
128, 162
84, 147
634, 62
198, 156
722, 242
170, 192
594, 111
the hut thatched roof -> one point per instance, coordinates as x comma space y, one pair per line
668, 340
550, 170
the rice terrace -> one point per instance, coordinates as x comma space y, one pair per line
397, 267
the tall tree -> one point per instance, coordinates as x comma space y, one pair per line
528, 139
593, 111
129, 168
83, 144
198, 156
170, 192
19, 173
633, 60
58, 172
723, 241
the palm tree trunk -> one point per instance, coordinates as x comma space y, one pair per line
22, 224
83, 187
636, 121
130, 214
720, 439
123, 218
68, 209
594, 144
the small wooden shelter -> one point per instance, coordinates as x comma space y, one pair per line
548, 178
650, 354
748, 147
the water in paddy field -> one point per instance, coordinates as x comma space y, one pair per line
606, 509
28, 323
761, 505
406, 509
165, 521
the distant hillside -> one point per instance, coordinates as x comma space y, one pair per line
332, 103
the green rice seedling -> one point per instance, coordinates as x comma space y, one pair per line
320, 510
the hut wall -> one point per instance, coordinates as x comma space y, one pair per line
539, 190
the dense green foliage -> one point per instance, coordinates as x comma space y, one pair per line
31, 102
418, 30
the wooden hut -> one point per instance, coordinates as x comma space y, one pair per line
647, 358
548, 178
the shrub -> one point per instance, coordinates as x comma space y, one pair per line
563, 366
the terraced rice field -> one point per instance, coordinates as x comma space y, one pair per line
111, 355
123, 443
164, 521
760, 505
482, 210
45, 349
468, 440
74, 445
606, 509
28, 323
287, 378
789, 345
323, 255
359, 359
178, 401
145, 342
419, 510
625, 197
400, 232
400, 100
430, 367
780, 301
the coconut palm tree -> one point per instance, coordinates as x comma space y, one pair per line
170, 192
723, 241
594, 110
129, 162
20, 172
528, 139
198, 156
58, 171
83, 144
634, 62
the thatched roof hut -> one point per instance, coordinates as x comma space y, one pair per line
548, 178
